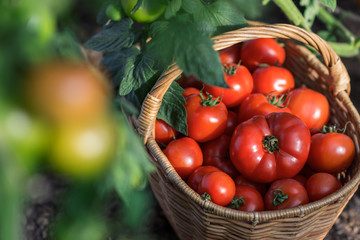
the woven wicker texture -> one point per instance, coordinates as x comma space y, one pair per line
194, 218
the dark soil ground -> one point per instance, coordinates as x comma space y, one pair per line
42, 210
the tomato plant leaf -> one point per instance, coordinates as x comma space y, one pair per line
311, 10
172, 109
329, 3
115, 36
191, 6
172, 8
180, 40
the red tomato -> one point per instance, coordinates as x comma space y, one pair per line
231, 123
247, 199
321, 185
267, 148
195, 178
230, 54
189, 91
206, 117
272, 79
285, 193
240, 83
310, 106
185, 155
261, 187
164, 133
262, 51
259, 104
331, 152
189, 81
217, 187
301, 179
216, 153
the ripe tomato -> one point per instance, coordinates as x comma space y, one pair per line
240, 83
259, 104
310, 106
67, 91
301, 179
216, 153
262, 51
217, 187
260, 187
185, 156
285, 193
189, 91
321, 185
148, 11
164, 133
195, 178
206, 117
231, 123
247, 199
272, 79
267, 148
331, 152
83, 150
230, 54
190, 81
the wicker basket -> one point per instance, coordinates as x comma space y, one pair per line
194, 218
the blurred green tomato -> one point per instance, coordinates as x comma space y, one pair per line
148, 11
113, 12
84, 150
42, 24
27, 135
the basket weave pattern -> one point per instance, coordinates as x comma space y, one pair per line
194, 218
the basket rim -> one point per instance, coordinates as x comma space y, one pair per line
157, 93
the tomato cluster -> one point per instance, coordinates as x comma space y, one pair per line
262, 143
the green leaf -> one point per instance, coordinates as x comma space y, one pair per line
130, 68
114, 37
172, 8
192, 6
179, 39
172, 109
329, 3
311, 10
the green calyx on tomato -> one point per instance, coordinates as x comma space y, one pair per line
237, 202
143, 11
206, 196
271, 144
230, 69
278, 102
209, 101
279, 197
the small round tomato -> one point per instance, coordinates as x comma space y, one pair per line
190, 90
195, 178
272, 79
259, 104
321, 185
310, 106
148, 11
262, 51
331, 152
230, 54
206, 117
240, 83
260, 187
185, 156
231, 123
247, 199
217, 187
189, 81
164, 133
266, 148
216, 153
285, 193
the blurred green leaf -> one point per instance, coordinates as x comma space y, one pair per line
115, 36
329, 3
172, 8
311, 10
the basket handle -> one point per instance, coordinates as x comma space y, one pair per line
339, 81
